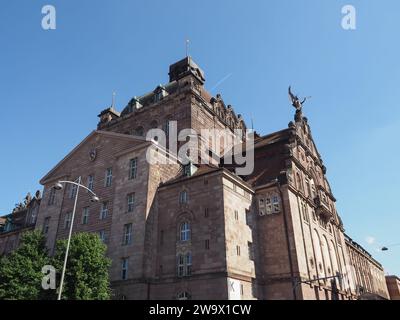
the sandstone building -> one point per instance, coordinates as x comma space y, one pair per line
367, 273
393, 285
188, 231
22, 219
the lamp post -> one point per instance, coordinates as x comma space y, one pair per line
95, 198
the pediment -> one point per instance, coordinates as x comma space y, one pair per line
91, 149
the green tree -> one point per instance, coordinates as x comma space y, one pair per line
21, 271
86, 276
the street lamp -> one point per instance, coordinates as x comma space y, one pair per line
94, 198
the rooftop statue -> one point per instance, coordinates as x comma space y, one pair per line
296, 101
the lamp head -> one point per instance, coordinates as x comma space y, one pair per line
384, 249
58, 186
95, 199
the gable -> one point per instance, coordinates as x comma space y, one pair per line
97, 146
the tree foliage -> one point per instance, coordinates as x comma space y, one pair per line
86, 276
21, 271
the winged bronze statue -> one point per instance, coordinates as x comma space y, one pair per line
295, 100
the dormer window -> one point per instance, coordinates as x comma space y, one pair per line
154, 124
187, 170
158, 96
159, 93
139, 131
134, 104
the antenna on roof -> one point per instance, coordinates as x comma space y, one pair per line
113, 100
187, 47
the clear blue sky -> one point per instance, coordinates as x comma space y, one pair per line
54, 83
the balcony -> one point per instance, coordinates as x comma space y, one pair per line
322, 209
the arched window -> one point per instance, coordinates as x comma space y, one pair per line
183, 197
184, 231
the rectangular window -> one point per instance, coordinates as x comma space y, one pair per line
236, 215
314, 215
253, 288
102, 235
313, 192
52, 197
185, 265
167, 127
261, 207
206, 213
124, 267
181, 266
188, 264
127, 239
275, 204
90, 182
183, 197
72, 190
131, 202
108, 179
238, 250
207, 244
133, 168
251, 250
46, 225
268, 206
85, 215
67, 220
248, 218
104, 210
34, 215
187, 170
308, 187
305, 212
